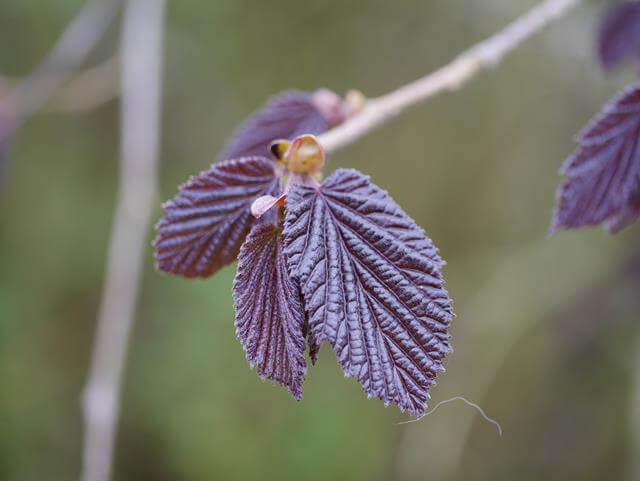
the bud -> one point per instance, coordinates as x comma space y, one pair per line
354, 101
331, 106
305, 155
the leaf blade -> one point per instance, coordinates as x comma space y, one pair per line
269, 313
206, 222
618, 36
285, 116
602, 183
376, 298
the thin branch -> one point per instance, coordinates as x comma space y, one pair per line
85, 90
71, 49
485, 55
88, 89
141, 53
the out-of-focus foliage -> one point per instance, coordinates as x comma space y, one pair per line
602, 182
284, 116
547, 329
619, 34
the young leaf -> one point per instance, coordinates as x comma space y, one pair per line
269, 314
371, 284
619, 35
603, 174
285, 116
205, 224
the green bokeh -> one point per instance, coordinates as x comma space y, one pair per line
546, 337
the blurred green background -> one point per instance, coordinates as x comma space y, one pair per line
547, 338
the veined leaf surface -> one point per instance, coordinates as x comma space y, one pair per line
205, 224
603, 175
269, 313
371, 284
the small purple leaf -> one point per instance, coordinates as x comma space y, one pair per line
603, 174
205, 224
285, 116
269, 314
371, 284
619, 35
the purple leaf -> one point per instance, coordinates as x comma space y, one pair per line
371, 284
285, 116
269, 314
619, 35
626, 216
205, 224
603, 174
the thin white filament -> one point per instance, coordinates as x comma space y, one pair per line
459, 398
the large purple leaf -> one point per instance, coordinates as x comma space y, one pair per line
269, 313
619, 34
603, 175
371, 284
285, 116
205, 224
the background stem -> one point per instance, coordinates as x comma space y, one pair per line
140, 123
378, 111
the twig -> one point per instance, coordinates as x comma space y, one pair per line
88, 89
73, 46
85, 90
485, 55
140, 122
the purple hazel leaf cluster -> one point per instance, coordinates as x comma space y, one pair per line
337, 261
205, 224
334, 261
602, 176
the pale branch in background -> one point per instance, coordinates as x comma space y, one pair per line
484, 55
141, 54
76, 42
88, 89
85, 90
